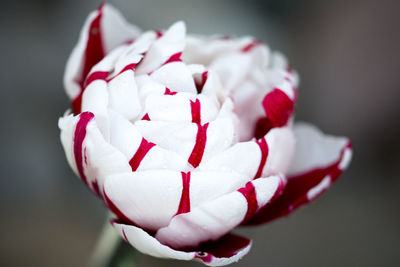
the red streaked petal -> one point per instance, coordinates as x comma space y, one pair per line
228, 249
321, 159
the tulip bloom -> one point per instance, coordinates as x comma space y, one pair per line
187, 137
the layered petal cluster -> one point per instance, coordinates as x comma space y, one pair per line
187, 137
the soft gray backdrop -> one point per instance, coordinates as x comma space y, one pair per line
347, 53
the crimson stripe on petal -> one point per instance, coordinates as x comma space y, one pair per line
296, 190
184, 204
93, 53
199, 146
141, 152
200, 85
249, 192
250, 46
169, 92
174, 58
79, 137
196, 111
146, 117
97, 75
264, 154
227, 246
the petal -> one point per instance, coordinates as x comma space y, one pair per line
226, 250
124, 96
89, 155
222, 132
147, 244
142, 154
170, 43
268, 156
243, 157
317, 163
213, 219
103, 30
321, 150
281, 148
151, 198
179, 107
148, 198
176, 76
173, 136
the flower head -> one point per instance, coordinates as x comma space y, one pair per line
187, 137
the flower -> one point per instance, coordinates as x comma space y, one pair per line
187, 137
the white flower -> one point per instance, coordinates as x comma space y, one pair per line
187, 137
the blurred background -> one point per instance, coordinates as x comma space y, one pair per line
347, 54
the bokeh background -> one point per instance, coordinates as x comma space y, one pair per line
347, 54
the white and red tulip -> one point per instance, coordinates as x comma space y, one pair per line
187, 137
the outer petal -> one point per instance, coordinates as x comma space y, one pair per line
318, 162
213, 219
228, 249
89, 155
151, 198
103, 30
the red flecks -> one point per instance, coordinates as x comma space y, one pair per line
79, 137
250, 46
97, 75
174, 58
131, 67
249, 192
94, 52
95, 188
196, 111
159, 34
225, 247
184, 204
122, 218
169, 92
295, 193
200, 85
124, 234
278, 107
264, 154
146, 117
199, 146
141, 152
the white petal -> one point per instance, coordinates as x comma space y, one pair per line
178, 107
281, 145
177, 137
124, 96
222, 132
315, 150
114, 30
176, 76
99, 158
211, 220
148, 198
147, 244
243, 157
172, 42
